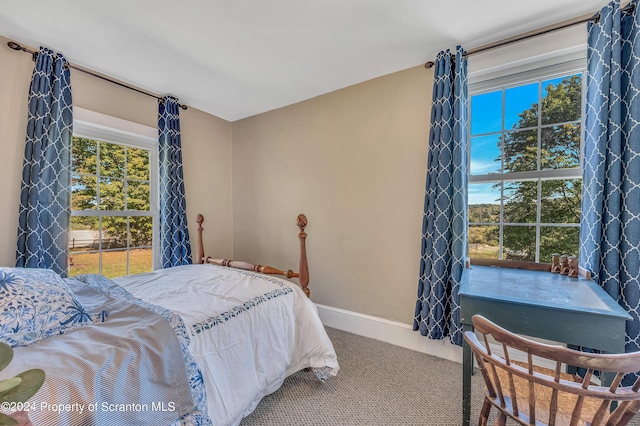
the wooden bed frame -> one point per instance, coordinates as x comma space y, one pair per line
302, 275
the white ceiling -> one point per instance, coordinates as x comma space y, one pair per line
237, 58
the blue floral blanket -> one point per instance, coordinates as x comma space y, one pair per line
133, 368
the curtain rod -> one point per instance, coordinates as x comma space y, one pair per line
559, 26
15, 46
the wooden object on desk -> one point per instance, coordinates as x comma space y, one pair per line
564, 265
302, 275
573, 267
555, 263
584, 273
535, 395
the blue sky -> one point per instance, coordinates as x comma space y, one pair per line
483, 193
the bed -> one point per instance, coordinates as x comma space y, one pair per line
196, 345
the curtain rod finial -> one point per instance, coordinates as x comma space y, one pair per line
429, 64
13, 45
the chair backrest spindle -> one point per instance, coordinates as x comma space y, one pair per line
532, 390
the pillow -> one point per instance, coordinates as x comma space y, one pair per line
35, 304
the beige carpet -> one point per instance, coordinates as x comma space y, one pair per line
378, 385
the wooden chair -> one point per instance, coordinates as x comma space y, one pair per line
534, 394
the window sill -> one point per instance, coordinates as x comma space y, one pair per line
520, 264
516, 264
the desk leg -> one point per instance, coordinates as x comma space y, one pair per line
467, 369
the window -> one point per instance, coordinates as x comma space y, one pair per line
525, 165
113, 197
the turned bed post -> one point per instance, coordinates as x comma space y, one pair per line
303, 270
200, 255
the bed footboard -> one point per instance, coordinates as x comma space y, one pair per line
302, 275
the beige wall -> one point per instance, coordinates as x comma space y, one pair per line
206, 142
354, 161
15, 72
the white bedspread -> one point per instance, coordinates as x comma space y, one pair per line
248, 331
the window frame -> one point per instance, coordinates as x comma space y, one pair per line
105, 128
501, 79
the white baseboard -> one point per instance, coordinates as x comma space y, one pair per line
400, 334
393, 332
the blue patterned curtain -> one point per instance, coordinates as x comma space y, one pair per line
610, 223
174, 235
45, 195
444, 226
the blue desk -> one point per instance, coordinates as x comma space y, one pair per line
538, 304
